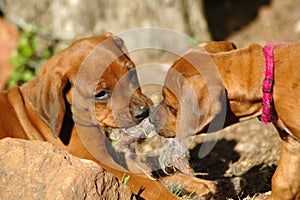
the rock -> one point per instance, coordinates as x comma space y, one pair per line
8, 43
277, 22
38, 170
67, 19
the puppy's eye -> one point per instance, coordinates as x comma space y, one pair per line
171, 109
103, 95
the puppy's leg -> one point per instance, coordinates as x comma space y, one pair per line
200, 187
286, 180
144, 187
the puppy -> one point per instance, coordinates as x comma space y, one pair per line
214, 85
80, 94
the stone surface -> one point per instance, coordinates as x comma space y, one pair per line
8, 43
278, 22
38, 170
67, 19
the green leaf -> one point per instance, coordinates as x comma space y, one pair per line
46, 53
125, 179
27, 75
13, 79
23, 41
34, 43
189, 196
178, 191
114, 142
26, 59
26, 51
17, 60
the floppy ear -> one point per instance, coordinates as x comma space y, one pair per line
48, 94
121, 45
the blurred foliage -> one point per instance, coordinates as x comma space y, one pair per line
28, 58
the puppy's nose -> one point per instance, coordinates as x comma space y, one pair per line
141, 113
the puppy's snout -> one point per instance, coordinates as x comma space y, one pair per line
141, 113
153, 114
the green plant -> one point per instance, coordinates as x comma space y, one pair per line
189, 196
125, 179
27, 58
180, 192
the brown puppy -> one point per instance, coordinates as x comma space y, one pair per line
241, 74
82, 91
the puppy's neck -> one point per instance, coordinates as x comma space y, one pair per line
242, 73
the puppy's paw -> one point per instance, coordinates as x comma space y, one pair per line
201, 188
265, 196
191, 184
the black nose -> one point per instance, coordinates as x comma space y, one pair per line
141, 113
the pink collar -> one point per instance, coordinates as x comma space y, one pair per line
267, 100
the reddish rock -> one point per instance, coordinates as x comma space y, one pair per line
38, 170
8, 43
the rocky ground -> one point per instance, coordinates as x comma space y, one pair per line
38, 170
248, 150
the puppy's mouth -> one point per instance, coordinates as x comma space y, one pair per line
124, 139
143, 145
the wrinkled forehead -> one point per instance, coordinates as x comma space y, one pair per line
103, 54
121, 46
106, 41
173, 82
113, 47
105, 58
194, 67
194, 62
181, 70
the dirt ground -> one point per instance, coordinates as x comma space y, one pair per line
242, 161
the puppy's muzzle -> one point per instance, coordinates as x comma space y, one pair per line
153, 115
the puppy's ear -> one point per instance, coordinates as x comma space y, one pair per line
121, 45
48, 94
218, 46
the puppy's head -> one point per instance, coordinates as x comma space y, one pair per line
193, 93
93, 82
